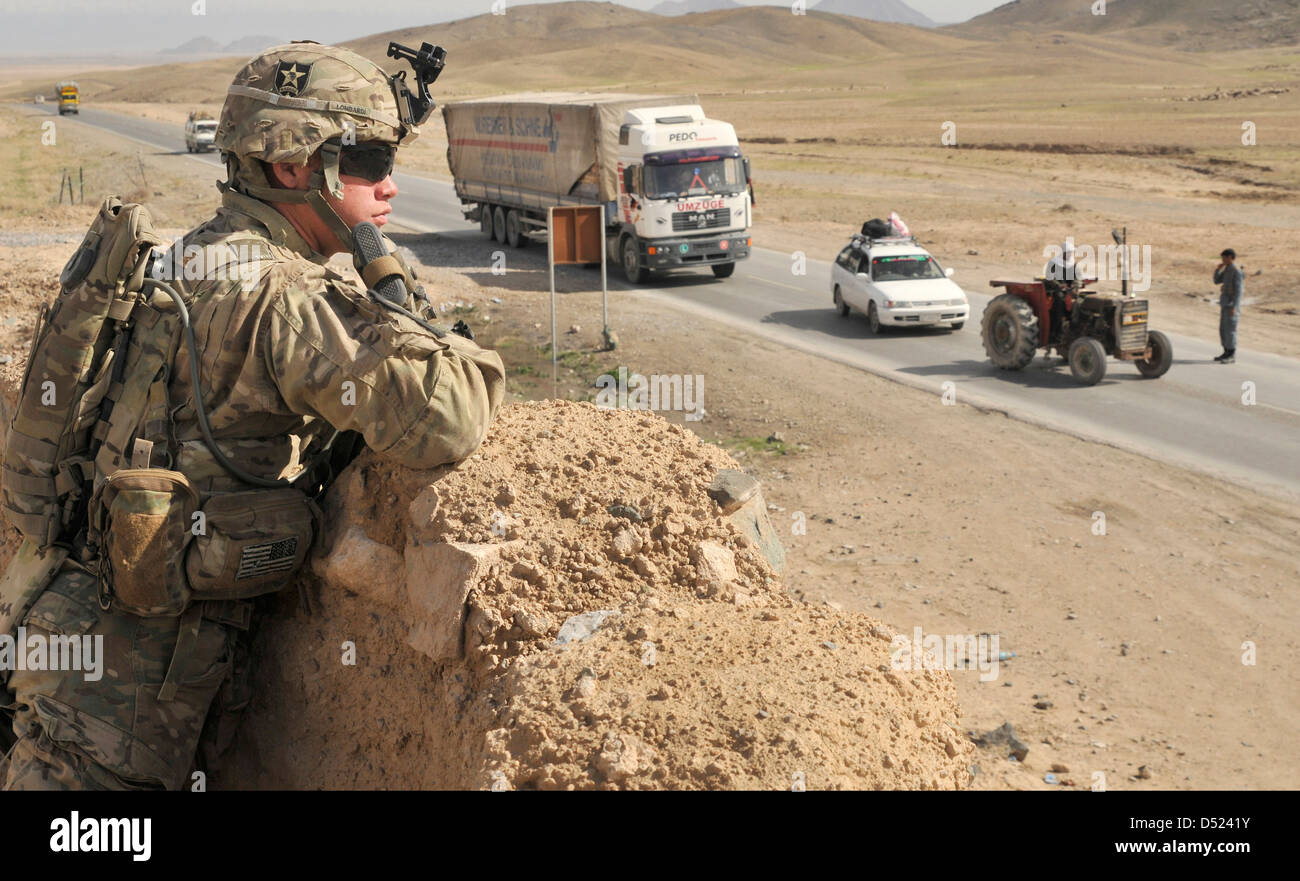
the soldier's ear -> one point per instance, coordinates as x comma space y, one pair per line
288, 176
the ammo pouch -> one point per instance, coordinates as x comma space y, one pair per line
250, 543
143, 517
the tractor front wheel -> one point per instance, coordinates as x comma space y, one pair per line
1087, 360
1010, 332
1162, 356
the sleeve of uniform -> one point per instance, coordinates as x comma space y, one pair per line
416, 398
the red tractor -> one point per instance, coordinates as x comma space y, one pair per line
1088, 327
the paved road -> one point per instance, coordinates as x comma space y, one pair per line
1193, 416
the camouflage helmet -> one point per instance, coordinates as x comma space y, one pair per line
295, 99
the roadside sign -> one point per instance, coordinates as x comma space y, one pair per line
575, 234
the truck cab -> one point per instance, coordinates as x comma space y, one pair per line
684, 193
69, 98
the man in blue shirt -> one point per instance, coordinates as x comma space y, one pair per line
1230, 279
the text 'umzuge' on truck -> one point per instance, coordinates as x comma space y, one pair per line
673, 184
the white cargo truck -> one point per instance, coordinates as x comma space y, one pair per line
673, 184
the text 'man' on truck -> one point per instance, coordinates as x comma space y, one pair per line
673, 184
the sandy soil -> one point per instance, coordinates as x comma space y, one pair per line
705, 674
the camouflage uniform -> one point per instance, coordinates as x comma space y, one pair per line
290, 352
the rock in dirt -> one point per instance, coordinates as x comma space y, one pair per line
731, 489
1004, 738
581, 627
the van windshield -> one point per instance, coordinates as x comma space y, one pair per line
905, 267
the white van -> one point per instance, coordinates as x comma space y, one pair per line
200, 133
896, 283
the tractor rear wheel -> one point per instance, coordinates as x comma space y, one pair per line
1010, 332
1162, 356
1087, 360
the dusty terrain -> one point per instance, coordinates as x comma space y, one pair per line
703, 672
947, 518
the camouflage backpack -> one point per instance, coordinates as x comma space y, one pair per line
74, 376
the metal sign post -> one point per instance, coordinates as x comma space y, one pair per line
604, 292
573, 235
550, 259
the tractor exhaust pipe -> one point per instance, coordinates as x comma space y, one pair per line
1121, 239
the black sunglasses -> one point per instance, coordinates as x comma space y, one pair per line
371, 162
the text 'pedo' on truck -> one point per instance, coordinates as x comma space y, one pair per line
673, 185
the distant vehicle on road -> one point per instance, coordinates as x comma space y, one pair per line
896, 283
200, 132
69, 98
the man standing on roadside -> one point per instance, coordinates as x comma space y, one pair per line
1229, 277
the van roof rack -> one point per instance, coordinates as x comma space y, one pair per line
859, 239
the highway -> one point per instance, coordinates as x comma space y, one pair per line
1195, 416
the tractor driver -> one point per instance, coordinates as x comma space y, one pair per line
1059, 278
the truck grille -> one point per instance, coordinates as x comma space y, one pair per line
1132, 335
693, 221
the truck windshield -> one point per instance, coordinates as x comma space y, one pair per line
206, 126
904, 267
708, 177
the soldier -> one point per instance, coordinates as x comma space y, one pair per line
290, 355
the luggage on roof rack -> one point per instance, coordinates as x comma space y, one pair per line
877, 229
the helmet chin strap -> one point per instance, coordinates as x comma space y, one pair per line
313, 196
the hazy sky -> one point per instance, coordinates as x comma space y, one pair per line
63, 27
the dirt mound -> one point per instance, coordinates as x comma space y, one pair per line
577, 605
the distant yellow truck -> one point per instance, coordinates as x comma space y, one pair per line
69, 98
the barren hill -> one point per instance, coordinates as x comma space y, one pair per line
1188, 24
595, 45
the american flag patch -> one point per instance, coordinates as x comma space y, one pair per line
268, 558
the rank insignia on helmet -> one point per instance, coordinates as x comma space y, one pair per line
291, 77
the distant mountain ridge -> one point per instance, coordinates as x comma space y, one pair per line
686, 7
208, 46
1190, 24
894, 11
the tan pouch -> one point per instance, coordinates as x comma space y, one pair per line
146, 516
250, 543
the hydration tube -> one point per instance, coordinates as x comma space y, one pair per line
202, 414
